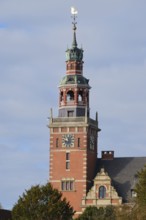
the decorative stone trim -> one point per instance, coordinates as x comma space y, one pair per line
107, 197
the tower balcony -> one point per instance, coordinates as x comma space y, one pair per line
71, 103
57, 122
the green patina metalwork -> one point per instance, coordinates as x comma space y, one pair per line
74, 79
74, 54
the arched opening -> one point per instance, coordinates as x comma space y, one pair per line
70, 96
102, 192
71, 66
87, 97
61, 96
80, 96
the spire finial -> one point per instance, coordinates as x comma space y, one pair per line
74, 13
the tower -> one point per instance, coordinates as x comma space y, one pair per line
73, 134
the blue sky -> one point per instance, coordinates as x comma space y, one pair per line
33, 38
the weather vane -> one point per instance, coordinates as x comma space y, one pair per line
74, 13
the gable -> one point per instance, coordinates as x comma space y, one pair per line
122, 172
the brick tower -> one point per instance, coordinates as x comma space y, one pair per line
73, 134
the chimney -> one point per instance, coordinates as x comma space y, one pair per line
107, 155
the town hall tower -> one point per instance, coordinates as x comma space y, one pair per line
73, 134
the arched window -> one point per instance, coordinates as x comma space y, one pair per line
102, 192
70, 96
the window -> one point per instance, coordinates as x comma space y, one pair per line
67, 185
63, 185
102, 192
71, 185
57, 142
70, 113
78, 142
133, 194
67, 165
67, 161
67, 156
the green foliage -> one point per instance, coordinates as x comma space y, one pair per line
110, 213
123, 212
141, 188
42, 203
91, 213
94, 213
1, 206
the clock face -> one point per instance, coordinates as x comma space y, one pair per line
68, 140
92, 142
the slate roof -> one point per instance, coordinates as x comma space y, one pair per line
5, 214
123, 173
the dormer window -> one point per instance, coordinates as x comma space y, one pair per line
133, 194
70, 80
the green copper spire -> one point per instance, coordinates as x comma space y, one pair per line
74, 43
74, 54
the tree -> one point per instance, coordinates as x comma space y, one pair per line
91, 213
124, 212
94, 213
1, 206
42, 203
140, 190
110, 213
